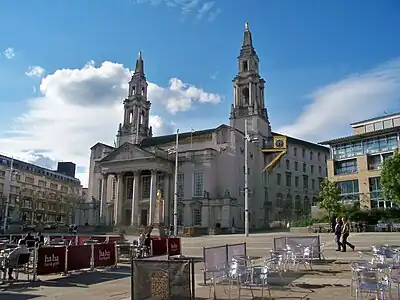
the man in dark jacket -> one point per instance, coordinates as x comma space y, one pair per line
338, 232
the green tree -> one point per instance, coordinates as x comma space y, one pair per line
329, 197
390, 178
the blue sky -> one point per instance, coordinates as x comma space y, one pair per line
330, 62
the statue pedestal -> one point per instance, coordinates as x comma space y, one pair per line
158, 222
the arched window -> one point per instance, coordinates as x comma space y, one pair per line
245, 94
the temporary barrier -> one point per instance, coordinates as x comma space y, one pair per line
51, 260
79, 257
81, 239
101, 238
104, 255
220, 255
112, 239
174, 246
159, 247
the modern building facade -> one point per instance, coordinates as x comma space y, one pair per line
355, 161
134, 181
37, 193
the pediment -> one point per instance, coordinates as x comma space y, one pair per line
127, 151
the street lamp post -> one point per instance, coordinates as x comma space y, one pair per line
247, 139
175, 150
9, 179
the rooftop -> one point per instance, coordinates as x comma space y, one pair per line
353, 138
25, 166
380, 118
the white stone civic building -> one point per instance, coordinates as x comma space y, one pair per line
134, 181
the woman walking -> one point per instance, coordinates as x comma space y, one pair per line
345, 235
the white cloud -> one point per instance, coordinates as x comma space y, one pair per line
9, 53
79, 107
202, 9
35, 71
357, 97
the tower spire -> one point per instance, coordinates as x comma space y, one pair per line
135, 126
247, 40
139, 64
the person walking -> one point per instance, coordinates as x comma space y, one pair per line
338, 232
345, 235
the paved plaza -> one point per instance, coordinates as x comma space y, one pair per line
323, 282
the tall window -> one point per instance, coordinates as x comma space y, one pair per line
311, 155
377, 200
278, 179
305, 181
146, 179
198, 184
296, 166
287, 164
114, 188
196, 217
180, 190
303, 153
288, 179
296, 181
295, 151
346, 167
304, 167
349, 190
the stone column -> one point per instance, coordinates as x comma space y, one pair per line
250, 94
135, 198
153, 195
118, 205
103, 201
167, 199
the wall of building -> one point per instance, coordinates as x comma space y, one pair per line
36, 195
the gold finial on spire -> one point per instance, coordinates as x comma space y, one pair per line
140, 55
246, 26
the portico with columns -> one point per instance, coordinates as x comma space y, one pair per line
142, 187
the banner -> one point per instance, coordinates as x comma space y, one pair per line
51, 260
79, 257
174, 246
104, 255
159, 246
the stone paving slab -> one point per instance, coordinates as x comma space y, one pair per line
328, 282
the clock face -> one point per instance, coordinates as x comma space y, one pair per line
279, 143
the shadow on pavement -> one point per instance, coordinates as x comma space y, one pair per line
13, 296
81, 280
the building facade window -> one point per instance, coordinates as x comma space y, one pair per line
313, 184
303, 153
345, 167
198, 184
295, 151
305, 181
146, 181
319, 170
319, 156
288, 179
287, 164
311, 155
296, 181
278, 179
180, 189
312, 169
377, 199
368, 146
296, 166
349, 191
304, 168
196, 217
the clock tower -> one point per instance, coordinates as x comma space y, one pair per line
248, 88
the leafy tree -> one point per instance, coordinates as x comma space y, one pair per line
329, 197
390, 178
